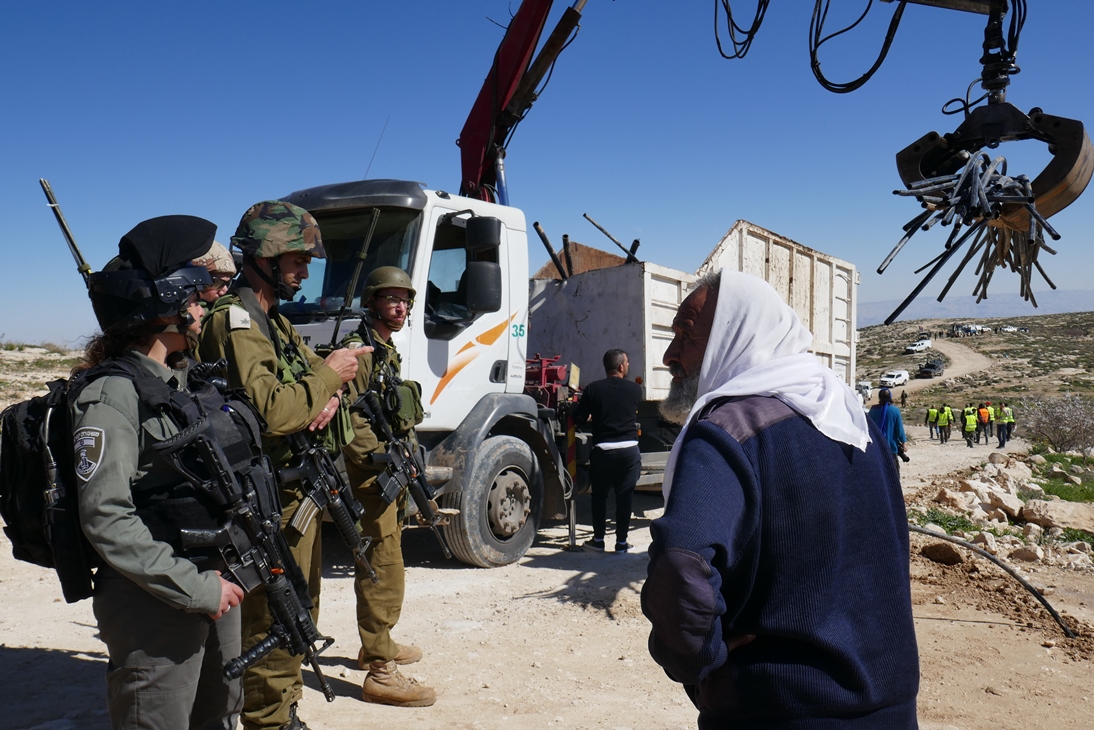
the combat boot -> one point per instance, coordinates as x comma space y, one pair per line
386, 685
404, 654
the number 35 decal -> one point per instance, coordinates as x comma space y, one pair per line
518, 330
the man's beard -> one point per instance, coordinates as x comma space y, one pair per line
682, 396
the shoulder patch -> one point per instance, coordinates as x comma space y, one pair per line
89, 445
238, 318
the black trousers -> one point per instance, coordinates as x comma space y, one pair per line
616, 469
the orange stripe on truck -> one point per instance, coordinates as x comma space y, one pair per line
469, 353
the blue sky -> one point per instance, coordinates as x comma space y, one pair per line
138, 109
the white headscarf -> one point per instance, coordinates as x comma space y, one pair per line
758, 346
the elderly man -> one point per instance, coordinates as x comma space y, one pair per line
778, 583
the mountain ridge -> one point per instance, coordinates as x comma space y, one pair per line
965, 307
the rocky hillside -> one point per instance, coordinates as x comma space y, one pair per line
25, 369
1055, 356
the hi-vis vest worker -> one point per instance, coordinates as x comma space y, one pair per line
389, 296
293, 390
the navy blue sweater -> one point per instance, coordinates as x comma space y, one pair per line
774, 530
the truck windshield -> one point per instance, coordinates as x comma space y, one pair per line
393, 244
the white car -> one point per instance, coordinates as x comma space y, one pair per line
1008, 328
919, 346
894, 378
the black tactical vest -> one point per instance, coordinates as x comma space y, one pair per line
197, 501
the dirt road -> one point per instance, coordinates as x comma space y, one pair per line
963, 361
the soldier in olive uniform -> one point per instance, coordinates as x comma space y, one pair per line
388, 295
293, 389
152, 604
222, 269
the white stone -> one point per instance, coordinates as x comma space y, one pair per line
997, 515
942, 552
964, 501
1038, 459
932, 527
1018, 471
1034, 489
1033, 532
1027, 553
1075, 480
1076, 469
1078, 562
978, 488
987, 541
1007, 502
1060, 514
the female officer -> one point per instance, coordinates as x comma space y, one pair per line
167, 625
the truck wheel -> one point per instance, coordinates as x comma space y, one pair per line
499, 506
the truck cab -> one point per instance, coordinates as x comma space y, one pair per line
488, 448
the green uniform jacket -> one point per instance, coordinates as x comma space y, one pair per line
365, 442
288, 408
114, 432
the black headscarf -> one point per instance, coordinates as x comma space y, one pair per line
161, 245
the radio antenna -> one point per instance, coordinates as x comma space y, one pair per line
377, 146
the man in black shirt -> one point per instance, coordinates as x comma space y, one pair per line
614, 463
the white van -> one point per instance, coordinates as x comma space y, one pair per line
894, 378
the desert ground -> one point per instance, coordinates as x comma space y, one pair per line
558, 639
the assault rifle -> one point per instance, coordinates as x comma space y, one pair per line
254, 553
326, 487
404, 468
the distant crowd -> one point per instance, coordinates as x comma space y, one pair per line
985, 421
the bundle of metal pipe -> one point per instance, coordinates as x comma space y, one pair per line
973, 201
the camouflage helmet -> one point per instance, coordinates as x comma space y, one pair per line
272, 227
386, 277
218, 261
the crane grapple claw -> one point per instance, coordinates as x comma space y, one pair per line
1057, 186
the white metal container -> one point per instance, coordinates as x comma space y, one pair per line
630, 307
822, 289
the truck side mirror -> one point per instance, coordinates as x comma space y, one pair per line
483, 234
483, 285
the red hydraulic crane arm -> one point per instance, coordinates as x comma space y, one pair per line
485, 128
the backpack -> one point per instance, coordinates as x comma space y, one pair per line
38, 500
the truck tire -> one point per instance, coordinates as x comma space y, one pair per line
499, 507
